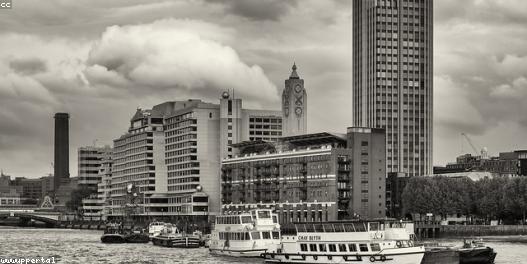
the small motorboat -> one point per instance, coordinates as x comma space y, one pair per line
475, 252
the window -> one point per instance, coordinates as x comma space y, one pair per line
342, 248
375, 247
322, 247
255, 235
246, 219
266, 235
352, 247
313, 247
332, 248
363, 247
303, 247
276, 235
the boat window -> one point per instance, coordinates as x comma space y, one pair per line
352, 247
374, 226
264, 214
342, 248
313, 247
339, 228
363, 247
322, 247
332, 248
247, 236
329, 228
255, 235
276, 235
246, 219
319, 228
221, 236
349, 228
303, 247
275, 219
375, 247
360, 227
266, 235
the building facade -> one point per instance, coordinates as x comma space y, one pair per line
138, 160
172, 153
294, 105
89, 164
393, 78
309, 178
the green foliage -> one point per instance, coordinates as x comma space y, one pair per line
489, 199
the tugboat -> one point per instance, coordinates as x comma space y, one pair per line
171, 237
343, 242
112, 234
475, 252
245, 235
115, 233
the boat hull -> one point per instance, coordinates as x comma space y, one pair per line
180, 242
408, 258
113, 239
477, 256
137, 238
253, 253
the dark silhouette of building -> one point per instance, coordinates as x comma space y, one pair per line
62, 157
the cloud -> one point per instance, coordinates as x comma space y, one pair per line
258, 9
28, 66
183, 56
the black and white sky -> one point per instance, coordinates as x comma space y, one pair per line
99, 60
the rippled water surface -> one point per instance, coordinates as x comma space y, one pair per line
84, 246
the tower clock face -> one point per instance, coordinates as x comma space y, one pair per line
298, 88
298, 111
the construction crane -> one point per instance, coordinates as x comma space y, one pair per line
470, 143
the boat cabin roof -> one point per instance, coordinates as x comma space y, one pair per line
340, 227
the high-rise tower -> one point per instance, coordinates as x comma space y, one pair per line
62, 145
294, 105
393, 78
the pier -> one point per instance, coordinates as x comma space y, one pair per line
434, 229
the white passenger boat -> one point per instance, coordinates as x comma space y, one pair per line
245, 235
346, 242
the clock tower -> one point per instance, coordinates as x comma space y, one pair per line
294, 106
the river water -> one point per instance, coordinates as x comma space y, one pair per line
84, 246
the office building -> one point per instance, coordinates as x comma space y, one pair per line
312, 177
294, 105
62, 156
393, 78
172, 153
138, 159
89, 164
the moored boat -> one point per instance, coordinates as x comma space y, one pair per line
155, 228
344, 242
114, 238
245, 235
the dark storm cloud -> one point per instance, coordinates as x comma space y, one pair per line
258, 9
28, 66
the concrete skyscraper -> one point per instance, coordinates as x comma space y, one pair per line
62, 144
393, 78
